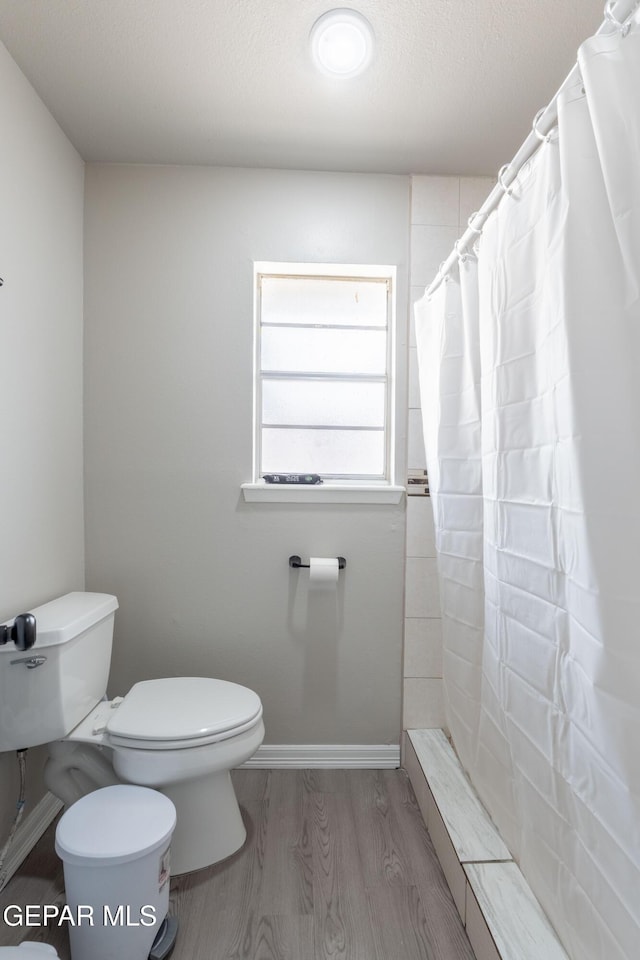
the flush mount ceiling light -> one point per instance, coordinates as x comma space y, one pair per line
342, 43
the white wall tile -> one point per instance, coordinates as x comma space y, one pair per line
416, 293
422, 589
414, 379
473, 193
430, 245
435, 200
423, 704
415, 441
423, 647
421, 537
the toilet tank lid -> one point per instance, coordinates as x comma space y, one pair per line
67, 617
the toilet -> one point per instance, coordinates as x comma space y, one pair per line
180, 735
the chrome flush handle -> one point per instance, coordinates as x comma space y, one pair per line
30, 662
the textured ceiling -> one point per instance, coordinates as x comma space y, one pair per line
452, 89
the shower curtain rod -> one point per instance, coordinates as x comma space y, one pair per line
617, 16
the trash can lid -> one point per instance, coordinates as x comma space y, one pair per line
28, 950
115, 825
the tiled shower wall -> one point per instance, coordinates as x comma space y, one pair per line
440, 209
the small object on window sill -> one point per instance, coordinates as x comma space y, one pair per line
307, 478
418, 483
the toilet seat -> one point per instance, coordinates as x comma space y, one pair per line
180, 712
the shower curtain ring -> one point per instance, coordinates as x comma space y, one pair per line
462, 254
443, 276
544, 137
470, 223
621, 26
508, 188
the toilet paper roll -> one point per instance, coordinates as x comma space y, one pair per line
323, 572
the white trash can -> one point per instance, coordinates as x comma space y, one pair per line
114, 844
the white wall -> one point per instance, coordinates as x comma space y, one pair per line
41, 527
202, 577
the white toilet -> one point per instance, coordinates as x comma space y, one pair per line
181, 735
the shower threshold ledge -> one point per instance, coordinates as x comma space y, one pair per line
502, 917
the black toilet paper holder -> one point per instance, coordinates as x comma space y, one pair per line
296, 563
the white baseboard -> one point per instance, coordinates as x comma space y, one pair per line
280, 756
29, 832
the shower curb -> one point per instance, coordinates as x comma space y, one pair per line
501, 915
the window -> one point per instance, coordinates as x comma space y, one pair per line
323, 362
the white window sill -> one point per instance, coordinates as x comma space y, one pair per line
321, 493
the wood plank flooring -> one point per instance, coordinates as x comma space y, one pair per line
337, 866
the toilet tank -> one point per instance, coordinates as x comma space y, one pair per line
47, 690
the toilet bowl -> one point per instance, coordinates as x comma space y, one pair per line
180, 735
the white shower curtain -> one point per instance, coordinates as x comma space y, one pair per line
530, 380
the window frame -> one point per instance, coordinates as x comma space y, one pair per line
364, 272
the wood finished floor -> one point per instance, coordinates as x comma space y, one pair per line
337, 866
